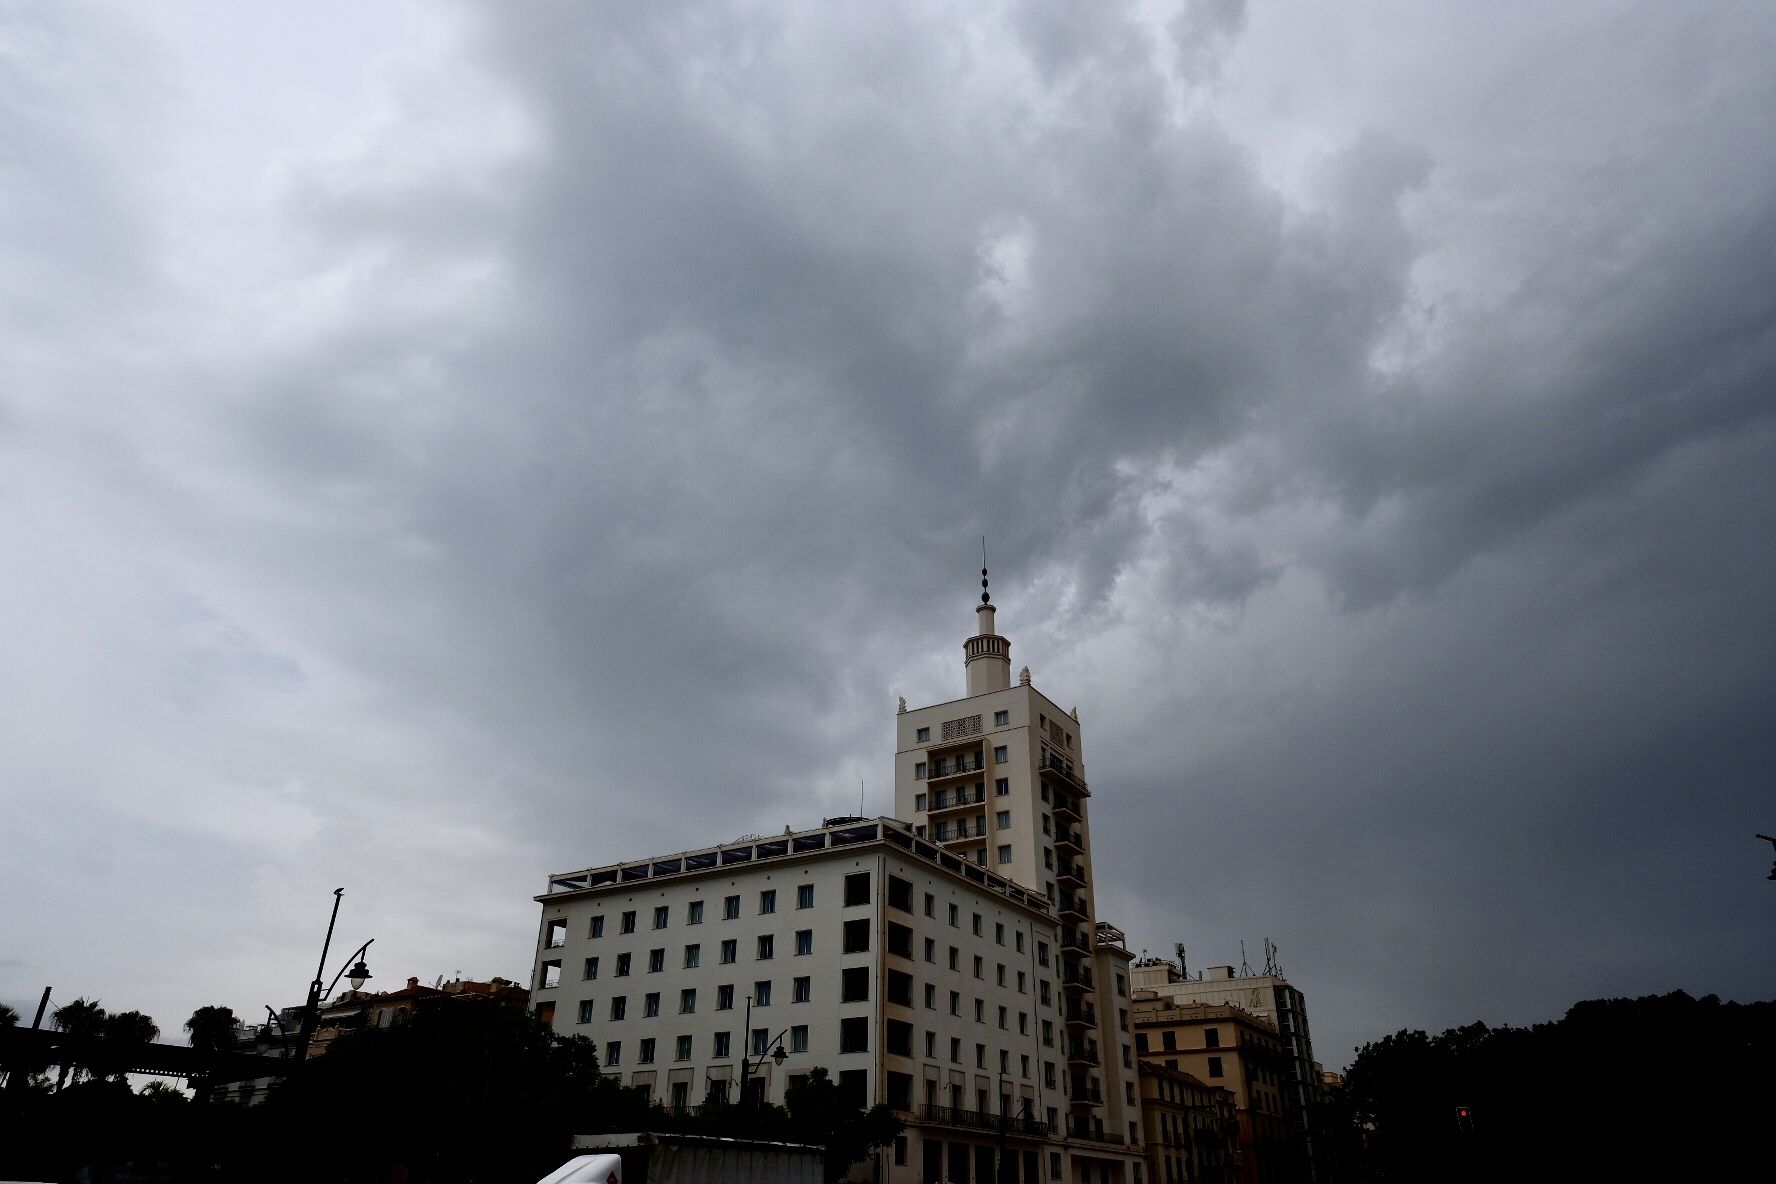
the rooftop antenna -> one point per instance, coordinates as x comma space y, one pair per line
1270, 959
860, 797
1245, 967
986, 597
1183, 970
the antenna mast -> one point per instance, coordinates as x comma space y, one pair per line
1245, 967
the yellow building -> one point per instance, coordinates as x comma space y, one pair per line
1191, 1128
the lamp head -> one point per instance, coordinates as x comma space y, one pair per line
358, 975
779, 1056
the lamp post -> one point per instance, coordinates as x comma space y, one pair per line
777, 1055
357, 975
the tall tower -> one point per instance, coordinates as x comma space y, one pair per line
997, 778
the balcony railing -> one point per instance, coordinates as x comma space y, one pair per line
1081, 1014
1065, 805
1071, 873
943, 832
1084, 1130
1069, 839
1080, 1054
985, 1121
1077, 976
1056, 767
944, 799
955, 768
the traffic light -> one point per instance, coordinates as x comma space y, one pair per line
1464, 1118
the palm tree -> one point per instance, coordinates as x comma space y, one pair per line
82, 1020
125, 1034
8, 1017
211, 1030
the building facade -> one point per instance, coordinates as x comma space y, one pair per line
998, 779
1191, 1128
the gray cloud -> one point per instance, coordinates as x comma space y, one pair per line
574, 452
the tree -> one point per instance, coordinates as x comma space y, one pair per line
8, 1017
82, 1020
821, 1114
124, 1034
210, 1029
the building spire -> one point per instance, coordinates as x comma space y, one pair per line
986, 656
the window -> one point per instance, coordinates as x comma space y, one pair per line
955, 1002
930, 949
597, 927
1047, 825
804, 941
999, 974
930, 905
555, 934
1018, 940
724, 997
1001, 718
761, 1040
730, 908
897, 1038
585, 1016
1004, 1064
1048, 859
955, 916
761, 993
661, 914
857, 889
1043, 991
931, 996
956, 1049
931, 1047
900, 894
1042, 953
591, 968
644, 1055
1021, 988
694, 913
802, 990
1003, 818
693, 957
1214, 1066
768, 901
1023, 1023
1168, 1040
656, 961
975, 924
551, 974
730, 951
922, 735
900, 988
1024, 1065
681, 1051
918, 803
805, 896
628, 925
1004, 1018
1211, 1037
955, 958
854, 984
798, 1038
980, 1011
1001, 754
650, 1005
1005, 853
980, 1059
1140, 1042
857, 935
919, 771
767, 946
619, 1006
1001, 786
613, 1053
900, 940
687, 1001
980, 966
854, 1034
723, 1046
1121, 986
1054, 1157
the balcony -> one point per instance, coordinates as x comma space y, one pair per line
1081, 1014
1086, 1097
1073, 908
1065, 808
943, 832
1077, 978
1069, 841
1063, 771
960, 767
1084, 1130
982, 1120
1082, 1054
1073, 940
954, 800
1071, 875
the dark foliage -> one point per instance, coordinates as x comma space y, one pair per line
1626, 1088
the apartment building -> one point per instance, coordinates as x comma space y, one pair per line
1191, 1128
1225, 1046
998, 779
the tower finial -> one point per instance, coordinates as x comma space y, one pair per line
986, 596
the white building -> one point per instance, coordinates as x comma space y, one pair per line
969, 989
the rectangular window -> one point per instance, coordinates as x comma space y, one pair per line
955, 1002
980, 1058
975, 924
1021, 988
930, 905
1002, 786
1042, 953
613, 1053
597, 927
591, 968
854, 984
857, 889
761, 1040
931, 996
999, 973
900, 894
854, 1034
1004, 1018
767, 946
724, 997
980, 1011
761, 993
693, 957
1018, 940
555, 934
682, 1049
687, 1001
768, 901
980, 966
1214, 1066
804, 941
730, 908
919, 771
930, 949
619, 1006
661, 914
802, 990
628, 925
1211, 1037
897, 1038
918, 803
900, 988
730, 951
931, 1047
856, 936
1005, 853
1140, 1042
1001, 754
656, 961
1168, 1040
622, 965
1047, 825
900, 940
650, 1005
1001, 718
1003, 818
694, 913
798, 1038
723, 1046
955, 958
956, 1050
586, 1005
805, 896
922, 735
644, 1052
955, 916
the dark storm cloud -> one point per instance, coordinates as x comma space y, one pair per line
598, 433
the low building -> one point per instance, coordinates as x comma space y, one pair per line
1228, 1047
1191, 1128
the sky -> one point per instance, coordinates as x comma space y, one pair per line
442, 445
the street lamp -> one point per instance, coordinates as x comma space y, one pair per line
357, 975
777, 1054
